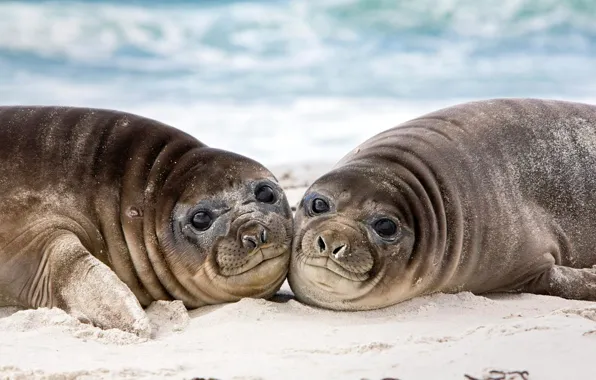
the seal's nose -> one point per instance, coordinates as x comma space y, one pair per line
333, 244
254, 237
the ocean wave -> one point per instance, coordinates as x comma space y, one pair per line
319, 75
339, 48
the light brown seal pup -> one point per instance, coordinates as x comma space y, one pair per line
103, 211
487, 196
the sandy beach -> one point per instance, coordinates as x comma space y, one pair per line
442, 336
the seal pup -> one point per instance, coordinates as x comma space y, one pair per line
103, 212
487, 196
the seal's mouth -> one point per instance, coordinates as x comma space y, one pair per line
338, 262
320, 281
332, 266
256, 257
335, 249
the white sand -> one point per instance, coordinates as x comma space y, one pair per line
436, 337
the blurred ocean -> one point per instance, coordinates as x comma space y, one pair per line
286, 81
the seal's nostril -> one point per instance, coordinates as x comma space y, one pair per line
264, 236
340, 252
336, 250
321, 244
249, 242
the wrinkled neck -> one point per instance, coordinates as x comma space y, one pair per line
143, 206
428, 200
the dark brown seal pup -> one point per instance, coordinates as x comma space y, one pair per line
102, 212
487, 196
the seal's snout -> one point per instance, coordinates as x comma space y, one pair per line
254, 236
332, 244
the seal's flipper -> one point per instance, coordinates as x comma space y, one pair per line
565, 282
88, 289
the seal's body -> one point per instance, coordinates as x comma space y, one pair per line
487, 196
103, 211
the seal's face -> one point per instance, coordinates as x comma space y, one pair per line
231, 235
351, 240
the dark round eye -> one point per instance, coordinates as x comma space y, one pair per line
319, 206
265, 194
385, 228
202, 220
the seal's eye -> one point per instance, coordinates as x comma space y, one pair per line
265, 194
319, 206
202, 220
385, 228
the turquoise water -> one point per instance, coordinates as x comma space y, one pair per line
318, 75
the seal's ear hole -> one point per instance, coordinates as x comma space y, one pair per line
386, 228
202, 220
265, 194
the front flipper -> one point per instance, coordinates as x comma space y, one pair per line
88, 289
565, 282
